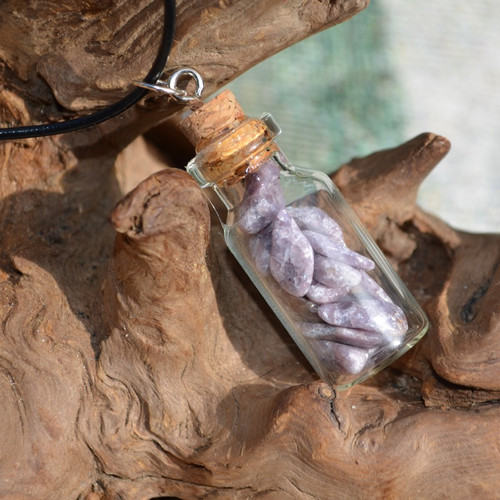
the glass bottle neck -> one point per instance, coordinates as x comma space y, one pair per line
231, 195
232, 155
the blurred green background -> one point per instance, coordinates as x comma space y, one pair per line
335, 95
393, 71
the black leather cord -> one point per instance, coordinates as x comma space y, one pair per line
114, 109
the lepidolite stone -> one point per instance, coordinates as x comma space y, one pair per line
268, 174
262, 200
372, 315
317, 220
341, 358
322, 294
335, 274
349, 336
345, 314
329, 248
292, 257
370, 286
259, 246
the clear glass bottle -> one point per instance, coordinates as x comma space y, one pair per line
304, 248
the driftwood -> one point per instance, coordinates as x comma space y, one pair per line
143, 363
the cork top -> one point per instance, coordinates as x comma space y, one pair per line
229, 145
215, 117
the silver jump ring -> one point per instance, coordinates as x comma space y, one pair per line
182, 95
170, 86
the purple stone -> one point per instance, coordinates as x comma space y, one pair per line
325, 246
335, 274
340, 358
257, 211
372, 315
292, 258
369, 286
322, 294
317, 220
268, 173
262, 200
259, 246
349, 336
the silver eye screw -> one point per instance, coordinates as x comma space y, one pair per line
170, 87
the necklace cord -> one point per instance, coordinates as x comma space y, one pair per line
113, 110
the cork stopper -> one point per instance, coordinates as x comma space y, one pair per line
229, 145
215, 117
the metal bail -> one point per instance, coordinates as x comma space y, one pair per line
170, 87
182, 95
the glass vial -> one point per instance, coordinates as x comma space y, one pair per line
303, 247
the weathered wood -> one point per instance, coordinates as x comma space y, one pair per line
141, 362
